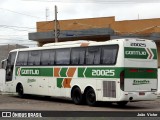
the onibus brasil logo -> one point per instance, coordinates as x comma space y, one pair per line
27, 71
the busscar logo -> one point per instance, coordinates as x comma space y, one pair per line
138, 44
141, 82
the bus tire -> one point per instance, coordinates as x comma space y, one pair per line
90, 97
20, 91
77, 96
122, 103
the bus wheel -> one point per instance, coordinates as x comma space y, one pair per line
122, 103
91, 97
77, 96
20, 91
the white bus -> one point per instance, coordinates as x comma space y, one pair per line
120, 71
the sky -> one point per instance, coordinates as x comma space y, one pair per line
19, 17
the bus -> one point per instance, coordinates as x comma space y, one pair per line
116, 71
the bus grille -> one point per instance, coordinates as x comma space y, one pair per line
109, 89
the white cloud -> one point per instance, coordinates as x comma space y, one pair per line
147, 11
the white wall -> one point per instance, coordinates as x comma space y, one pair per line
2, 79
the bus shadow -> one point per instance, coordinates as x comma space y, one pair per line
129, 106
46, 98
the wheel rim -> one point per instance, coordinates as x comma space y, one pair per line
91, 97
20, 90
77, 97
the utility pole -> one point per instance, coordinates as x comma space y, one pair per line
55, 25
47, 14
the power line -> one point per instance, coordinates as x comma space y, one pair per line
19, 28
20, 13
16, 43
16, 26
12, 35
14, 29
19, 43
16, 39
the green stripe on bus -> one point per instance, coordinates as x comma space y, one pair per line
80, 72
99, 72
91, 72
105, 72
48, 72
140, 53
155, 53
149, 73
59, 82
63, 72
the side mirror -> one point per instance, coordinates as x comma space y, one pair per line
4, 63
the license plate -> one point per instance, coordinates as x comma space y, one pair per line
141, 93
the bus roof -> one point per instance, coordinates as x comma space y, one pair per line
79, 43
67, 43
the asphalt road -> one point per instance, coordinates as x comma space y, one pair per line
13, 102
39, 103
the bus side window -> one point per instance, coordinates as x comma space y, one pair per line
63, 56
93, 55
47, 57
34, 58
109, 54
52, 57
77, 56
10, 66
22, 58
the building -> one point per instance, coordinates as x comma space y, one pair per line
97, 29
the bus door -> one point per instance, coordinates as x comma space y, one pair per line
9, 71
